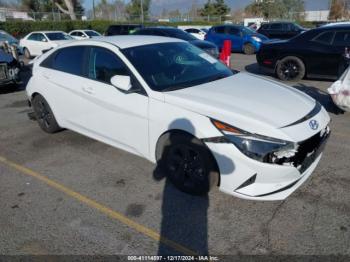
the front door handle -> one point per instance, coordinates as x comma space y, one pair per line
88, 90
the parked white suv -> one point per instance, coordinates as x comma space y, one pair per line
35, 43
170, 102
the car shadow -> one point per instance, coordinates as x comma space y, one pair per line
184, 216
322, 97
256, 69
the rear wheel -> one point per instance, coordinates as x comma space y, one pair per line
27, 53
44, 115
248, 49
188, 164
290, 68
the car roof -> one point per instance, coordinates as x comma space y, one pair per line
126, 41
336, 26
125, 25
279, 22
160, 28
77, 30
44, 32
230, 25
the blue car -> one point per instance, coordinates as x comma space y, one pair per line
6, 37
243, 38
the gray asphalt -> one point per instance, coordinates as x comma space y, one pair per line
38, 219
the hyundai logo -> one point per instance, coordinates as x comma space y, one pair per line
313, 124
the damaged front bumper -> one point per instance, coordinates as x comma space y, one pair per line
9, 74
250, 179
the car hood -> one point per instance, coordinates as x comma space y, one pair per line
203, 44
244, 100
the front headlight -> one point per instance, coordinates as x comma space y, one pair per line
256, 38
261, 148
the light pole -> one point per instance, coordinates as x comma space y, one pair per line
142, 18
93, 9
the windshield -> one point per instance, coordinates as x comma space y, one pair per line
248, 31
6, 37
58, 36
172, 66
178, 33
92, 33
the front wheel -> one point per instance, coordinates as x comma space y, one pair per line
188, 164
27, 53
248, 49
290, 68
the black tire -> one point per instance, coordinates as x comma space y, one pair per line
290, 68
27, 53
188, 164
249, 49
44, 115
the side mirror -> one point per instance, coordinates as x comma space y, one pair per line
121, 82
43, 40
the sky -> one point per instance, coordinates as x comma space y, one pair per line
158, 5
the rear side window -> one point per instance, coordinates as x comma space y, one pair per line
114, 30
68, 60
324, 38
265, 26
220, 30
33, 37
288, 27
36, 37
276, 26
233, 31
342, 38
103, 65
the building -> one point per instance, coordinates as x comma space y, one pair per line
316, 15
10, 14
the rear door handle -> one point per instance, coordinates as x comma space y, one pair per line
88, 90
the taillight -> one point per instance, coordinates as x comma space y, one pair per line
267, 62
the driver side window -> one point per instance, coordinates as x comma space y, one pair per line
104, 64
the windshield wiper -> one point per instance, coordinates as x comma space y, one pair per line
172, 88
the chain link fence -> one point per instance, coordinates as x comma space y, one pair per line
110, 14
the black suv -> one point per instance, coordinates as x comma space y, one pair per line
280, 30
122, 29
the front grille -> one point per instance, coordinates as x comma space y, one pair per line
3, 71
308, 151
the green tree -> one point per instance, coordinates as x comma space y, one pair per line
133, 9
216, 8
220, 8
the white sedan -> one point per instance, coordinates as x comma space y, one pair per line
35, 43
171, 103
83, 34
197, 33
